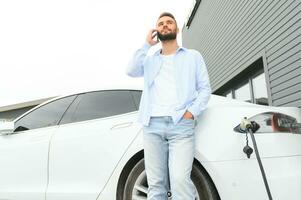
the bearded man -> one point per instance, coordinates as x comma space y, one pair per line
176, 91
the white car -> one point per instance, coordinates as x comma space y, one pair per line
88, 146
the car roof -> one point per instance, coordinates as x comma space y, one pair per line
103, 88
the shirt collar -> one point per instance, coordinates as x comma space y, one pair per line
157, 53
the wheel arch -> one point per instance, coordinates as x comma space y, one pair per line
125, 172
204, 171
135, 159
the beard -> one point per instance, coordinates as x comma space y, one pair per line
168, 36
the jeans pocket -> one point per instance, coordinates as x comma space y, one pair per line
187, 122
187, 119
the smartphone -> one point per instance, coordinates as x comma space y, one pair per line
155, 36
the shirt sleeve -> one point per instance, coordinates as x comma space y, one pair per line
202, 86
135, 66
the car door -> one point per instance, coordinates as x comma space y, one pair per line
24, 154
94, 134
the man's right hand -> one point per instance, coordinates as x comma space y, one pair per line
150, 37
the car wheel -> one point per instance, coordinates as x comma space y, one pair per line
136, 184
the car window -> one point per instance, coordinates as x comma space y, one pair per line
98, 105
44, 116
137, 96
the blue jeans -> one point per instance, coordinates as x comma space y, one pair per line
169, 154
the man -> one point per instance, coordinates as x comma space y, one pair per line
176, 91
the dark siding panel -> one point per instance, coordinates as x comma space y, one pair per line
288, 66
234, 51
254, 40
232, 34
291, 33
288, 91
295, 103
289, 100
285, 52
286, 84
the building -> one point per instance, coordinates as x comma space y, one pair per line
252, 48
11, 112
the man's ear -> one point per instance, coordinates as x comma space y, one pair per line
178, 30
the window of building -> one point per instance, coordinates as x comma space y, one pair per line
260, 89
243, 93
253, 91
250, 85
229, 94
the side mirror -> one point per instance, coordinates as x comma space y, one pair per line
6, 127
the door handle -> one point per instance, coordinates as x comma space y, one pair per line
122, 125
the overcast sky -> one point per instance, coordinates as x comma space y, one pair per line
50, 48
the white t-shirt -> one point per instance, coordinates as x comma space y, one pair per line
163, 94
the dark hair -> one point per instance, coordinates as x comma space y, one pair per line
168, 15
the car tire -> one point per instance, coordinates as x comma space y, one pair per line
136, 184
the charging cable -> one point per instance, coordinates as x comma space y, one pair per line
252, 127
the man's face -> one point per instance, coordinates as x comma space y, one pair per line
167, 29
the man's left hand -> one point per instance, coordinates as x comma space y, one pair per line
188, 115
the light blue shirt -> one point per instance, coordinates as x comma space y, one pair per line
192, 81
